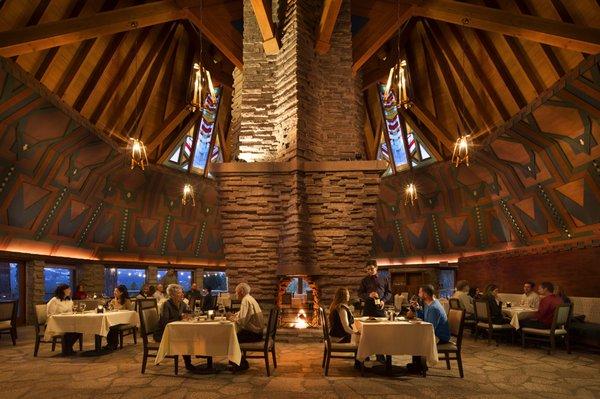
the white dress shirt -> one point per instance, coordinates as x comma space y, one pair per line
57, 306
466, 302
250, 316
531, 301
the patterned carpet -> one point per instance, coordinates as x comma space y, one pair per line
490, 372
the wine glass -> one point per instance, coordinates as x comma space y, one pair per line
82, 306
75, 307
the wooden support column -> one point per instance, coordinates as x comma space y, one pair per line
331, 9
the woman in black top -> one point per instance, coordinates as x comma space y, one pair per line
491, 294
341, 319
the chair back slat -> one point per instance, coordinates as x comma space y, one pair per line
325, 325
454, 303
456, 320
272, 331
482, 310
41, 316
562, 314
8, 311
149, 317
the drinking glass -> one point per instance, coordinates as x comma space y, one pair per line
83, 305
75, 307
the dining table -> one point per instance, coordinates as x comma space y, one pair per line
90, 322
200, 337
398, 337
517, 313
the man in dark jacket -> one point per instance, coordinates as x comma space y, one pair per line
375, 290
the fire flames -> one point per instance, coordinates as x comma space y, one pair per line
300, 320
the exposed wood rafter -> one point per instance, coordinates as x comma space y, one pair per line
331, 9
59, 33
262, 12
559, 34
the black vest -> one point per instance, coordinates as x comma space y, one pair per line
337, 329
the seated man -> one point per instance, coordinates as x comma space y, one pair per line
432, 312
545, 315
462, 294
530, 298
248, 321
174, 309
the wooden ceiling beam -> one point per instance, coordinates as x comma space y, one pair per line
145, 95
118, 111
434, 126
49, 57
207, 60
457, 101
432, 149
331, 10
223, 36
59, 33
521, 55
166, 150
378, 31
171, 123
120, 74
548, 50
559, 34
454, 62
479, 73
99, 68
262, 12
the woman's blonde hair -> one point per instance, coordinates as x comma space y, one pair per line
338, 299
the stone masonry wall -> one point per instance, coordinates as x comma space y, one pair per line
320, 221
92, 275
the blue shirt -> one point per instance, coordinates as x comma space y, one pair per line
436, 315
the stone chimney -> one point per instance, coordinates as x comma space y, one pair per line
302, 201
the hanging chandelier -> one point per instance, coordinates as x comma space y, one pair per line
188, 195
398, 78
138, 154
410, 194
461, 150
199, 75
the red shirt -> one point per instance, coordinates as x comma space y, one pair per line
545, 313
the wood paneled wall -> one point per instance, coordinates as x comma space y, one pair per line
577, 270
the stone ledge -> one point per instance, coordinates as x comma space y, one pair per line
240, 168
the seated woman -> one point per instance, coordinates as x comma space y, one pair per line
491, 295
61, 303
341, 319
80, 292
145, 292
121, 301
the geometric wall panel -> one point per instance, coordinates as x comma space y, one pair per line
532, 216
457, 230
72, 218
146, 231
580, 201
183, 236
418, 234
26, 205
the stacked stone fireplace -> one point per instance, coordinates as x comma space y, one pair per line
301, 199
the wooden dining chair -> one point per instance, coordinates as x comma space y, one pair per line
559, 328
454, 303
8, 319
267, 346
41, 317
331, 348
456, 320
149, 317
483, 317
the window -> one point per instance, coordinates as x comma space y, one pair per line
293, 288
185, 278
199, 139
54, 276
9, 281
216, 281
133, 279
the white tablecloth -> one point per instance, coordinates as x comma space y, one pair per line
396, 338
89, 323
212, 338
518, 313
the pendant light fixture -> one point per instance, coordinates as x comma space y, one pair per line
410, 193
188, 195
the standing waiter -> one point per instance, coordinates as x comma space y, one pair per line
375, 290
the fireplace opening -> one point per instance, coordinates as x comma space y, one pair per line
298, 299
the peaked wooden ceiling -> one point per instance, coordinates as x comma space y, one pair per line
473, 64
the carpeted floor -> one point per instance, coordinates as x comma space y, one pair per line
490, 372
